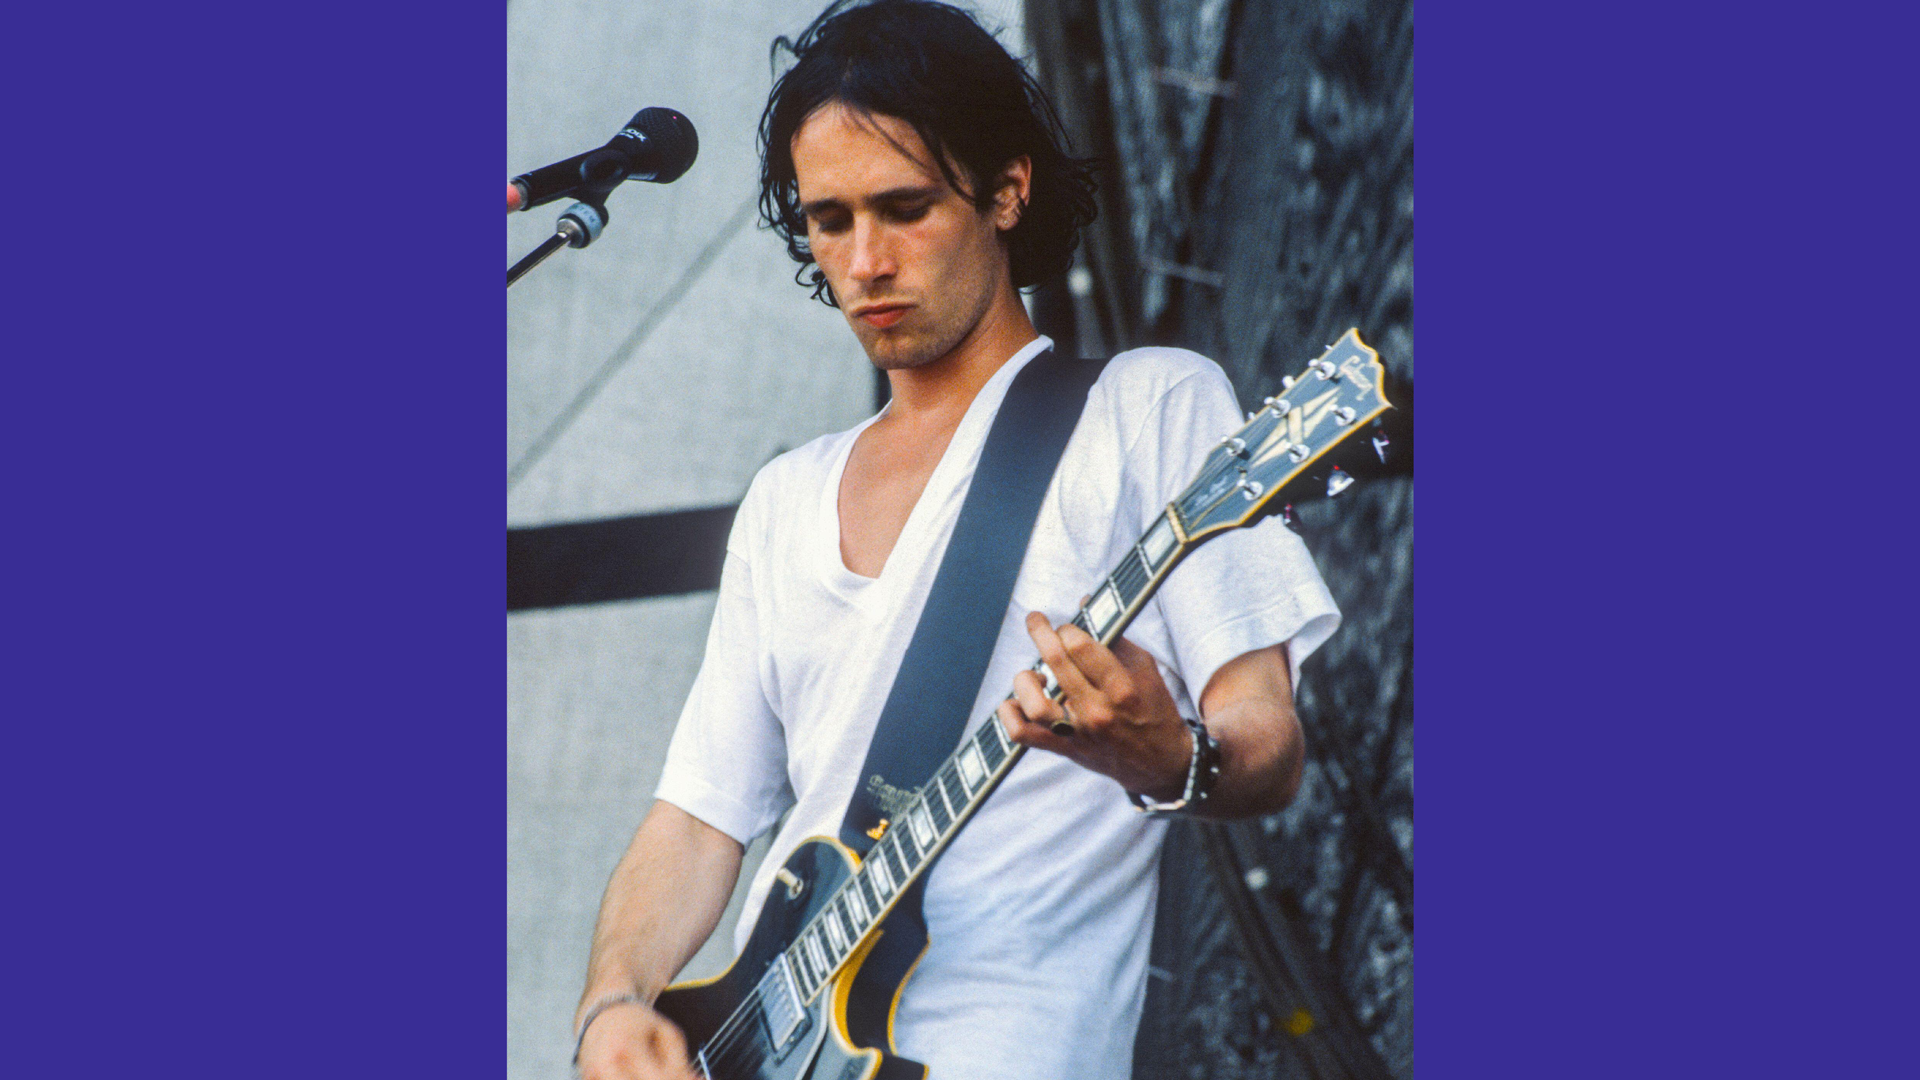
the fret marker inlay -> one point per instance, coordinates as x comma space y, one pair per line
1158, 543
1104, 608
923, 830
972, 769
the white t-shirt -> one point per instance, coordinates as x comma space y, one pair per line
1040, 913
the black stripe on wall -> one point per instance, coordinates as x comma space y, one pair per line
626, 558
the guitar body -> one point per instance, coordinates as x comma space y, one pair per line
846, 1033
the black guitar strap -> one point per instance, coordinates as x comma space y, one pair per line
927, 709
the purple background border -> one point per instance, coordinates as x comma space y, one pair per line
1657, 774
257, 390
255, 767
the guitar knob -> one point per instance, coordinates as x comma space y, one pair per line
794, 885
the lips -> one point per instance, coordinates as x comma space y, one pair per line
881, 316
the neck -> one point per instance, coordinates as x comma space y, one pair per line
945, 387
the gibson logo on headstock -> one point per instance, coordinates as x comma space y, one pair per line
1355, 369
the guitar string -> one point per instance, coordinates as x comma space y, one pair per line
723, 1048
738, 1058
725, 1041
739, 1037
726, 1047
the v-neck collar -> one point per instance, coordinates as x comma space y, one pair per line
944, 489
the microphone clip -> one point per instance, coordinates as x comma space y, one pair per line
579, 225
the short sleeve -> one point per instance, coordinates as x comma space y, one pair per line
726, 764
1242, 590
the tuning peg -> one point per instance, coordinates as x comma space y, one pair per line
1380, 445
1286, 515
1337, 482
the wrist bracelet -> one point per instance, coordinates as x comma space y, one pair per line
1202, 770
593, 1014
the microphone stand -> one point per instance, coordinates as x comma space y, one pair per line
579, 226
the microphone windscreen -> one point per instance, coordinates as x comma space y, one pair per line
667, 147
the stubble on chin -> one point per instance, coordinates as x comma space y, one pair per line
923, 337
903, 348
895, 350
899, 354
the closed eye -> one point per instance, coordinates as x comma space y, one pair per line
829, 222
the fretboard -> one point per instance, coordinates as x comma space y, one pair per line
919, 831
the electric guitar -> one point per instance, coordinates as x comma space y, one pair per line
811, 996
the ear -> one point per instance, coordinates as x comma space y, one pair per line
1013, 188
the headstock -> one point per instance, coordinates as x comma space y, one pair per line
1336, 398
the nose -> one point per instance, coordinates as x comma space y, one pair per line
872, 251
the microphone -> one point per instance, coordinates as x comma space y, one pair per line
657, 145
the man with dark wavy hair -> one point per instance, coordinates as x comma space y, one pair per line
918, 176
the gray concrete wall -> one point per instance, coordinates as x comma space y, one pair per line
655, 370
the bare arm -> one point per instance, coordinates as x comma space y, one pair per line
663, 902
1248, 706
1127, 727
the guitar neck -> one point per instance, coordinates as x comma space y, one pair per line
922, 828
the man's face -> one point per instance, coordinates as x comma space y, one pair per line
912, 264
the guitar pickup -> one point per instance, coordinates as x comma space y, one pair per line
782, 1014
